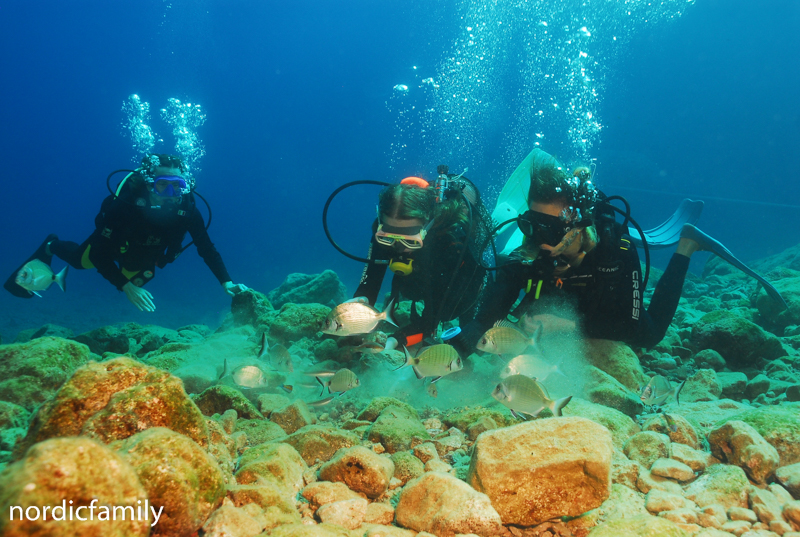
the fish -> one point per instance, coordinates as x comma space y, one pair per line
369, 347
342, 381
671, 425
321, 402
524, 395
37, 275
433, 391
246, 376
658, 390
277, 356
531, 366
435, 361
350, 318
505, 339
319, 373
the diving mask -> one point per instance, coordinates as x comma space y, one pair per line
169, 186
410, 237
544, 228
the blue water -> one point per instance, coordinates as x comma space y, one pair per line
693, 99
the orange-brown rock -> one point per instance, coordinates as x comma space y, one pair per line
74, 473
543, 469
178, 475
322, 492
361, 469
116, 399
444, 505
277, 464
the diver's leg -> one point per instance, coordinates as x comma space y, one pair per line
69, 251
667, 295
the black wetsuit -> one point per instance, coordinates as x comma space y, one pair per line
605, 289
132, 239
433, 269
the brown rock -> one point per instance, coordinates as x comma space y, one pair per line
293, 417
277, 464
379, 513
685, 433
445, 506
319, 442
792, 512
303, 530
426, 452
742, 513
559, 467
323, 492
647, 482
349, 514
766, 506
78, 470
272, 500
646, 447
721, 484
624, 471
672, 469
639, 526
116, 399
789, 477
736, 527
177, 475
657, 501
361, 469
738, 443
693, 458
484, 423
232, 521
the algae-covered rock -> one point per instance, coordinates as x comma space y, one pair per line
13, 416
646, 447
77, 473
361, 469
30, 373
318, 530
253, 308
683, 433
618, 360
462, 420
702, 386
217, 399
296, 321
788, 285
639, 526
395, 428
619, 425
293, 416
178, 475
407, 466
325, 288
116, 399
741, 342
377, 404
272, 499
721, 484
274, 464
780, 426
738, 443
319, 442
604, 389
259, 431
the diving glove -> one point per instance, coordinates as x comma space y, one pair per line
234, 289
141, 298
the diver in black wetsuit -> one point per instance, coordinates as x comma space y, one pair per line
140, 227
575, 252
425, 243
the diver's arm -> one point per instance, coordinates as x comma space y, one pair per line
206, 249
371, 277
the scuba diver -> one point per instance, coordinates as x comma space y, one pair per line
140, 226
574, 251
427, 235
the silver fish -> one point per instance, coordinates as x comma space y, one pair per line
277, 356
369, 347
36, 276
433, 391
658, 390
522, 394
342, 381
434, 361
503, 338
530, 365
352, 318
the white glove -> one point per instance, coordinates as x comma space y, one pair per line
140, 298
391, 344
359, 299
234, 289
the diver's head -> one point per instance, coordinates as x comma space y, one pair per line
166, 176
405, 214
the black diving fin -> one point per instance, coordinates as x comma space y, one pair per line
717, 248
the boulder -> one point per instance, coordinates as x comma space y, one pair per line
646, 447
721, 484
323, 492
293, 416
788, 285
220, 398
13, 416
361, 469
230, 521
445, 506
741, 342
178, 475
319, 442
278, 510
407, 466
395, 428
704, 415
325, 288
30, 373
294, 322
269, 402
273, 464
738, 443
252, 308
780, 426
113, 400
789, 477
378, 404
766, 506
657, 501
672, 469
621, 426
559, 467
616, 359
702, 386
684, 434
695, 459
349, 514
604, 389
733, 384
259, 431
78, 473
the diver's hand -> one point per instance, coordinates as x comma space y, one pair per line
359, 299
391, 344
140, 298
234, 289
